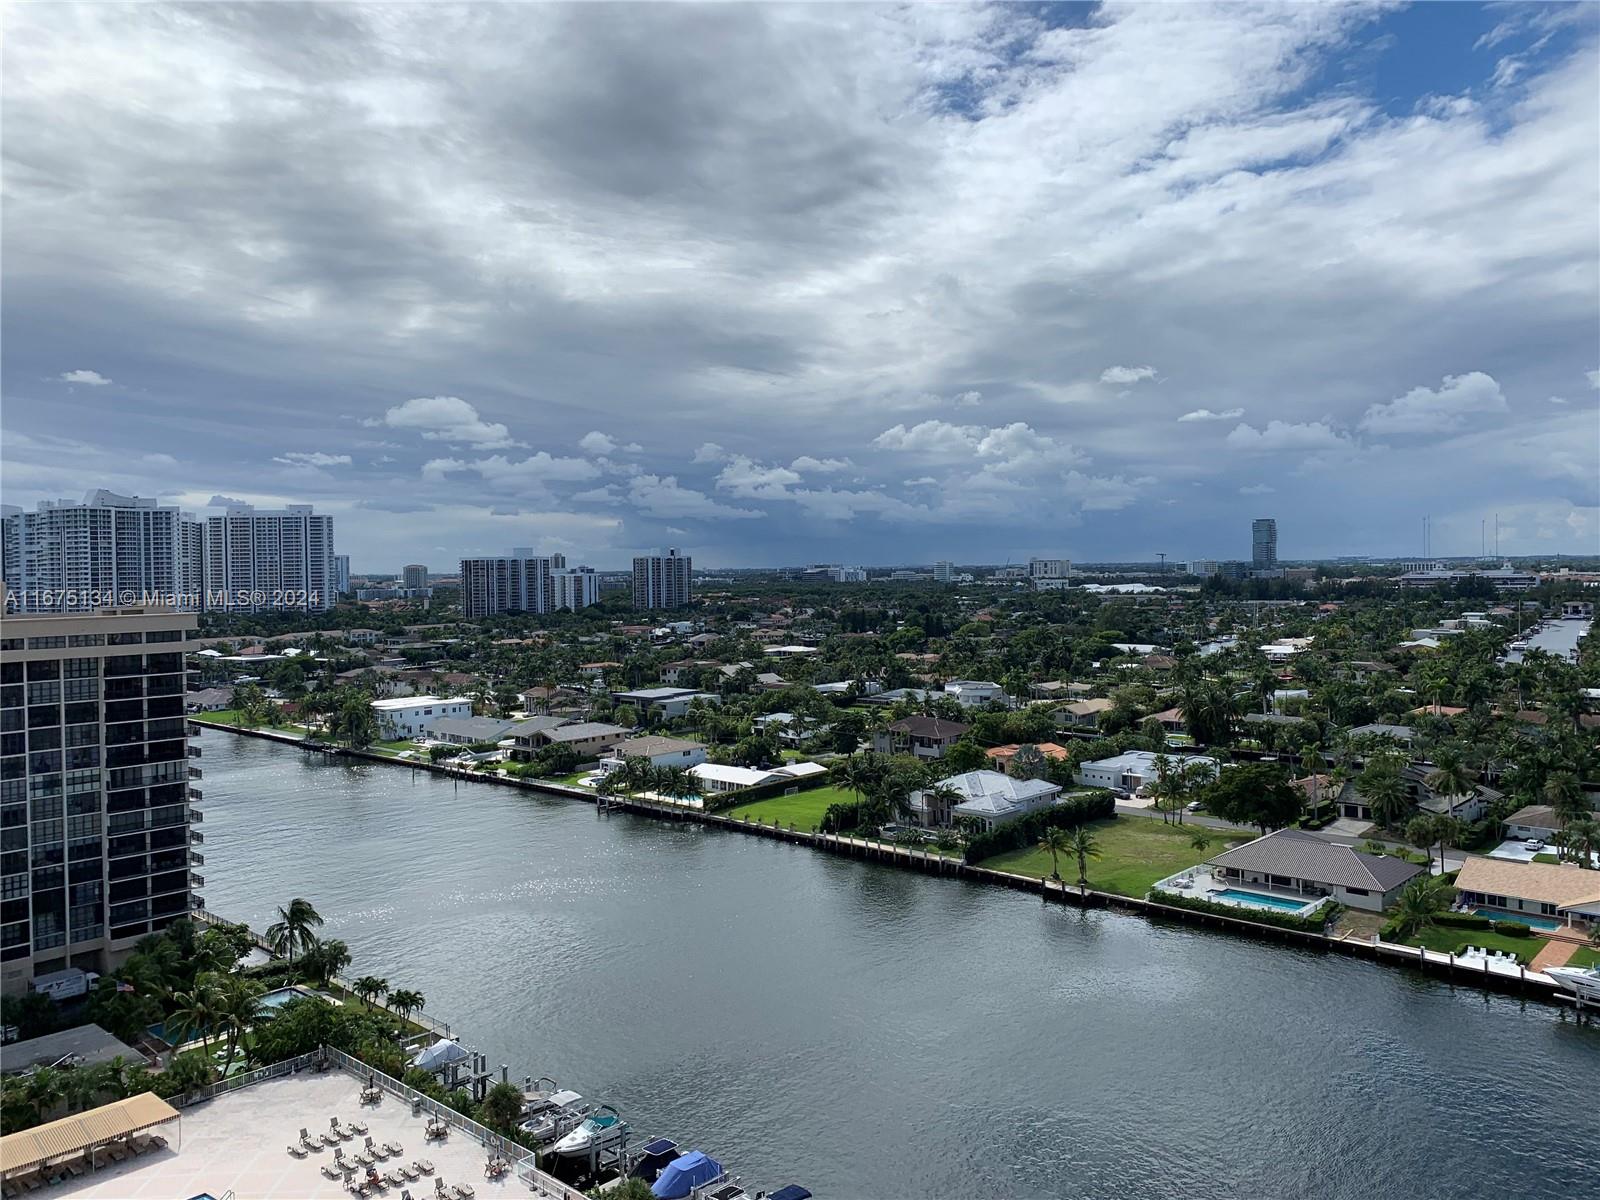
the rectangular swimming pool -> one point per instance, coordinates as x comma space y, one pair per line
1541, 923
1258, 900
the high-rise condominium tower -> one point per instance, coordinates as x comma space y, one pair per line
1264, 543
110, 550
279, 559
661, 580
95, 802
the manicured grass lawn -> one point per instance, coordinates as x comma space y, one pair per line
230, 718
804, 809
1583, 956
1134, 853
573, 780
1448, 940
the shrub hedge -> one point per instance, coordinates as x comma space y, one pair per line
1463, 921
1511, 928
1315, 923
1027, 830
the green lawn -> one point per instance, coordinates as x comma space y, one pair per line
230, 718
1583, 956
1447, 939
804, 809
1134, 853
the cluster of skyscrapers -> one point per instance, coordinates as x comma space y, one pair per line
525, 582
113, 551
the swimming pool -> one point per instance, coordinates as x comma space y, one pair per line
271, 1002
1257, 900
1541, 923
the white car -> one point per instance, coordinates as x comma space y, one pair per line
1533, 844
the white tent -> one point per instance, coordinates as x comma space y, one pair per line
439, 1055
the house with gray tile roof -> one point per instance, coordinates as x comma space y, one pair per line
1297, 861
989, 798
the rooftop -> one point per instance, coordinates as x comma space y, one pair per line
400, 703
237, 1143
932, 727
1566, 885
87, 1043
1299, 855
581, 731
650, 746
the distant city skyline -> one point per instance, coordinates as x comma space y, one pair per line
856, 284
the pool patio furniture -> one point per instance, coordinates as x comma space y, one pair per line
409, 1170
393, 1147
360, 1127
393, 1178
424, 1165
331, 1171
297, 1151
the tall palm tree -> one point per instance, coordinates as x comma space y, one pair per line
196, 1011
292, 934
1451, 777
1055, 841
940, 798
1563, 792
1583, 840
1083, 847
239, 1008
1385, 791
1419, 903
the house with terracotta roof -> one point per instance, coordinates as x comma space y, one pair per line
1556, 893
1000, 757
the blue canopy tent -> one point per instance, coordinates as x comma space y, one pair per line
681, 1176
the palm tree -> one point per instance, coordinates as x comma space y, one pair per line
1451, 777
940, 798
1583, 840
1081, 845
196, 1011
678, 783
1420, 833
44, 1091
405, 1002
1418, 904
324, 960
1385, 791
240, 1008
1563, 792
370, 987
291, 935
1200, 841
1055, 842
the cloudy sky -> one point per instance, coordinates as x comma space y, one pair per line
833, 282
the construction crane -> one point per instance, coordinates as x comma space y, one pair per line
1163, 559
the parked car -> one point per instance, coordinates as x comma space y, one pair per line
1533, 844
1193, 806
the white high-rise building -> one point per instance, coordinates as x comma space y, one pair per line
576, 587
414, 575
108, 551
341, 573
661, 580
944, 571
270, 560
492, 586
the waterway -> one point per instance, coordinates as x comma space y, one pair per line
1558, 638
877, 1033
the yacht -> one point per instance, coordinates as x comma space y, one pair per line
553, 1116
1583, 982
601, 1130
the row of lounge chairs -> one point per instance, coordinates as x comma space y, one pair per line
72, 1168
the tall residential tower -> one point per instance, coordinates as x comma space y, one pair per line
265, 560
1264, 543
661, 580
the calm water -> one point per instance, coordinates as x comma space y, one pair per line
870, 1032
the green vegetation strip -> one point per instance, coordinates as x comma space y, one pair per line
803, 809
1135, 852
1446, 940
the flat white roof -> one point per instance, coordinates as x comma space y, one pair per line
404, 702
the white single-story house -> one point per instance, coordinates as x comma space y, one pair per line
1131, 771
1293, 861
660, 751
1535, 821
719, 777
988, 799
414, 716
1560, 892
671, 701
467, 731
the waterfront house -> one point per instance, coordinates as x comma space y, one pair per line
588, 739
1414, 776
207, 700
1293, 861
719, 777
1536, 821
658, 751
467, 731
1401, 735
1131, 771
1563, 893
988, 798
924, 737
414, 716
976, 693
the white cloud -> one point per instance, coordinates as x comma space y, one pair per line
967, 399
1424, 410
1286, 435
929, 437
1205, 414
747, 478
1594, 379
709, 452
312, 458
91, 378
536, 469
1557, 400
595, 442
158, 460
436, 469
823, 466
449, 419
1126, 374
663, 496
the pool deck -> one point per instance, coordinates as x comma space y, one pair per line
238, 1142
1202, 885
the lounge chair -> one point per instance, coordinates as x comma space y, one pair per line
365, 1159
331, 1171
424, 1165
409, 1170
393, 1147
392, 1178
359, 1127
439, 1189
464, 1191
405, 1194
297, 1151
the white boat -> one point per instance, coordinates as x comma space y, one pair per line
601, 1130
558, 1113
1580, 981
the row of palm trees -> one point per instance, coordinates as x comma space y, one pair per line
639, 774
